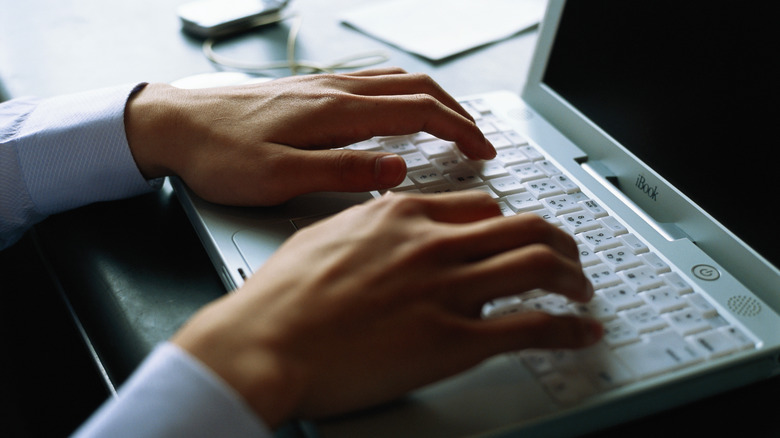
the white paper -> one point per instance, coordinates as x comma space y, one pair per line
437, 29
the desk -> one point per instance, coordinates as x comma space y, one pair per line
134, 270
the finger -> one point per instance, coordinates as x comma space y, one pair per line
404, 84
454, 208
407, 114
340, 170
379, 71
486, 238
535, 330
535, 266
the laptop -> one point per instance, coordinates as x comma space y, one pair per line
641, 131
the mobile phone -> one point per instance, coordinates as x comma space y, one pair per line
219, 18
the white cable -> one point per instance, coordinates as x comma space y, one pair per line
360, 60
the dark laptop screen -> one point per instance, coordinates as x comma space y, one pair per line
689, 87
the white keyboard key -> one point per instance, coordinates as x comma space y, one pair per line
633, 242
515, 137
588, 257
701, 304
658, 353
532, 153
463, 179
599, 239
644, 319
618, 332
426, 177
522, 202
641, 278
612, 224
502, 306
568, 185
507, 185
549, 168
594, 208
655, 261
415, 160
490, 169
602, 368
505, 210
561, 204
547, 215
398, 145
597, 308
714, 343
526, 172
478, 105
601, 276
664, 299
677, 283
486, 127
510, 156
498, 140
542, 188
550, 303
436, 148
743, 340
620, 258
621, 297
448, 163
687, 321
579, 221
366, 145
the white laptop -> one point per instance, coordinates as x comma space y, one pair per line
638, 131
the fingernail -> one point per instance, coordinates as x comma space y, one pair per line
389, 170
490, 150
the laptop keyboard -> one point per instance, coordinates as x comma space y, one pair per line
654, 321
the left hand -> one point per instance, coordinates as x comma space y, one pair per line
265, 143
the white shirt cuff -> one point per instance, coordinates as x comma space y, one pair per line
172, 394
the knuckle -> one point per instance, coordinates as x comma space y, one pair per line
396, 70
423, 79
401, 204
542, 257
425, 101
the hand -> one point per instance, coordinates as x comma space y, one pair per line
263, 144
384, 298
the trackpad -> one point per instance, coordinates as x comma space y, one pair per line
257, 245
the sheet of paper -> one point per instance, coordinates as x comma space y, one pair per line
437, 29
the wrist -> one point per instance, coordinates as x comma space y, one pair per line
250, 364
151, 115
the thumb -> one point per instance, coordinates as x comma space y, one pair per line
349, 171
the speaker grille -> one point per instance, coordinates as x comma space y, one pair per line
744, 306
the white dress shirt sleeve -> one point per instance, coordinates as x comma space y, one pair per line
173, 395
61, 153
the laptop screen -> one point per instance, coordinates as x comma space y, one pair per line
687, 87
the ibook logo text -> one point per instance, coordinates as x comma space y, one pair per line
642, 185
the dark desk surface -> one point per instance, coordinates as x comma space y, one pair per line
134, 270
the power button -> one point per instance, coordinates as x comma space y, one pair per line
706, 272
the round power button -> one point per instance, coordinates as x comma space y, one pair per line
706, 272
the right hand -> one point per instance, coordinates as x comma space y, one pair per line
384, 298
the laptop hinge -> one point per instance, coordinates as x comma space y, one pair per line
608, 179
